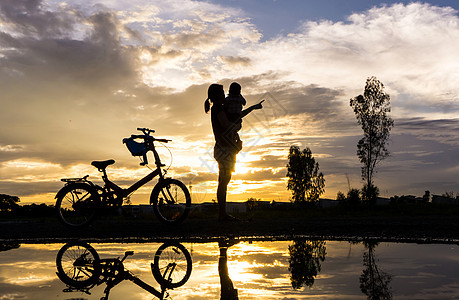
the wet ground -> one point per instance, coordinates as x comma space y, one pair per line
415, 254
430, 229
268, 270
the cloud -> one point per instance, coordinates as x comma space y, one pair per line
445, 131
76, 78
411, 48
28, 18
233, 60
55, 85
266, 174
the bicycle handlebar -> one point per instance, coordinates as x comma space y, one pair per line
163, 140
126, 254
146, 131
148, 137
142, 136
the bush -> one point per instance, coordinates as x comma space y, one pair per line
370, 194
8, 203
351, 200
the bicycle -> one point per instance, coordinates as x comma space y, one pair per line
78, 202
80, 268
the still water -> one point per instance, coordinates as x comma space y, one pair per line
299, 269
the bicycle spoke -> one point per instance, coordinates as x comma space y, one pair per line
172, 266
76, 207
77, 264
172, 201
77, 273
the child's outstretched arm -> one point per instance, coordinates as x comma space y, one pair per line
248, 110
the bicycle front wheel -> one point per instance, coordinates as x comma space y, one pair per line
76, 204
172, 265
171, 201
78, 264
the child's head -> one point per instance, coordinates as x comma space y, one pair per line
235, 89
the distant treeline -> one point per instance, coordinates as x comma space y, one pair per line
29, 210
9, 206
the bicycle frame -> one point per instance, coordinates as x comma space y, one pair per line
123, 193
127, 276
146, 286
124, 274
115, 273
78, 201
80, 268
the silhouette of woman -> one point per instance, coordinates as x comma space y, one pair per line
226, 147
227, 290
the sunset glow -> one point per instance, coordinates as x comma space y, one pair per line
258, 270
77, 77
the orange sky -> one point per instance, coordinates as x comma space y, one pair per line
76, 78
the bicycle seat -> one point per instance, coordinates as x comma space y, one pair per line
101, 165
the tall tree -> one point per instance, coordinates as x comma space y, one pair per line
373, 282
305, 262
304, 179
371, 110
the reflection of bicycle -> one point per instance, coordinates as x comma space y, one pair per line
79, 200
80, 268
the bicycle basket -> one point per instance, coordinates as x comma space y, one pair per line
136, 149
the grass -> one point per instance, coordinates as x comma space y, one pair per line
403, 221
268, 213
395, 210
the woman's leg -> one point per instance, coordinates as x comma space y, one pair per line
224, 177
227, 290
226, 162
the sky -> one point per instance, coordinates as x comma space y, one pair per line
257, 269
77, 77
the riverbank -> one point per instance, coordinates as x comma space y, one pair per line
421, 228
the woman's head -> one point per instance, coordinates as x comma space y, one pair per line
215, 93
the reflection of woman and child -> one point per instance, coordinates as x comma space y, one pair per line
226, 119
227, 292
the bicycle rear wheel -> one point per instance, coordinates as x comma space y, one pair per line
171, 201
76, 204
78, 264
172, 265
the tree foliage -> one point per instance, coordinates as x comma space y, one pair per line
371, 110
252, 203
8, 203
351, 200
370, 193
5, 246
373, 282
305, 262
304, 179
